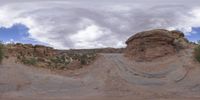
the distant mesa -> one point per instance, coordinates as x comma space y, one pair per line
153, 44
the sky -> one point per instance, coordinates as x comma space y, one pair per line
65, 24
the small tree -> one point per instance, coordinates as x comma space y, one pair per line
197, 52
1, 52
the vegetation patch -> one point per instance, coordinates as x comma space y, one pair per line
29, 60
71, 61
59, 62
197, 52
1, 52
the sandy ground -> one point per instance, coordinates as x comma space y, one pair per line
111, 77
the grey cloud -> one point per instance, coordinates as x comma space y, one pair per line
62, 19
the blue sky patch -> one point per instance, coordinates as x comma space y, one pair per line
16, 33
195, 34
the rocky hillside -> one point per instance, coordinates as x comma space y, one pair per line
29, 50
47, 57
153, 44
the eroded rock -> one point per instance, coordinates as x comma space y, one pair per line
149, 45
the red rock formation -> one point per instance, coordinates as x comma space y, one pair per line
149, 45
43, 51
29, 50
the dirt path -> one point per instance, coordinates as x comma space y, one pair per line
111, 77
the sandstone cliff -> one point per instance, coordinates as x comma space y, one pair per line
149, 45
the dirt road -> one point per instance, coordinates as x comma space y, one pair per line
111, 77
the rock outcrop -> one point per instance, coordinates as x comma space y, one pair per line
43, 51
29, 50
149, 45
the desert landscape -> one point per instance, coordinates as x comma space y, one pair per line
155, 65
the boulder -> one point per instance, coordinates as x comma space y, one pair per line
149, 45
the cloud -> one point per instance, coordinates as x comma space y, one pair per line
11, 41
88, 24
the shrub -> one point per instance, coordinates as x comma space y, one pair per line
58, 62
29, 61
1, 52
83, 59
87, 58
197, 52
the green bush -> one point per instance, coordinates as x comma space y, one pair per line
1, 52
29, 61
197, 52
83, 59
58, 62
87, 58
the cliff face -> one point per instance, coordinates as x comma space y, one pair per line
149, 45
29, 50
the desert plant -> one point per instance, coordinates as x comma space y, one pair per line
58, 62
1, 52
83, 59
29, 61
87, 58
197, 52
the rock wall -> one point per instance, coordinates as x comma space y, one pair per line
29, 50
149, 45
